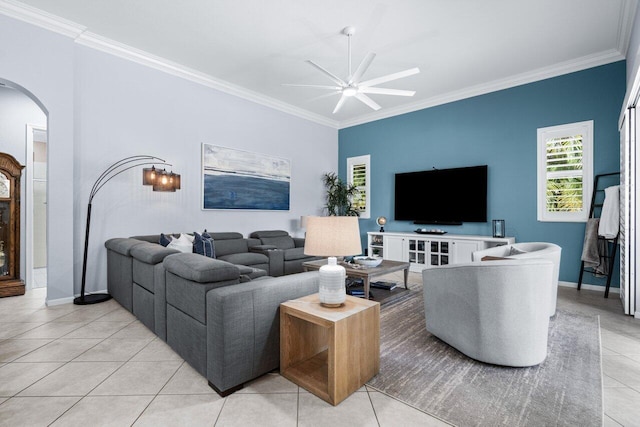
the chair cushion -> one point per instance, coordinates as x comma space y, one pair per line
200, 269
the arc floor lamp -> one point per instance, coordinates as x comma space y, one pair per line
161, 180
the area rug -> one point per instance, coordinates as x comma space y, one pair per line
422, 371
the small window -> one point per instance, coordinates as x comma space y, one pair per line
358, 174
565, 172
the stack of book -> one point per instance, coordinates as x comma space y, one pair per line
383, 285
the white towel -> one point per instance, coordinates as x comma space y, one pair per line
610, 216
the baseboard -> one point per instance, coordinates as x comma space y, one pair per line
67, 300
588, 287
58, 301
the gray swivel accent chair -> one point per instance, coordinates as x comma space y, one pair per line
495, 312
545, 250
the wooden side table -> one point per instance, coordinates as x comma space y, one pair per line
330, 352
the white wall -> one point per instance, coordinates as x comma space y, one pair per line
42, 63
103, 108
127, 109
16, 110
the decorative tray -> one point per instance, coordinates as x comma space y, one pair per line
425, 231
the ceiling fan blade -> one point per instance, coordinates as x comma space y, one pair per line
329, 74
313, 86
384, 91
370, 102
326, 95
362, 68
389, 77
339, 104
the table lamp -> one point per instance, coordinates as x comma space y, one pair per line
332, 236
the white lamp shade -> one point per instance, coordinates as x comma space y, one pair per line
332, 236
303, 221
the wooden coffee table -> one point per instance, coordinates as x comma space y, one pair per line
363, 272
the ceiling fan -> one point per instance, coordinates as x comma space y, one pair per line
353, 86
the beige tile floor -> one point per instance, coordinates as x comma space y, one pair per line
97, 365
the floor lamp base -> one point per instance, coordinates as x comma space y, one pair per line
91, 299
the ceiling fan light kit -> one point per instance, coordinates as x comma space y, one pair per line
353, 87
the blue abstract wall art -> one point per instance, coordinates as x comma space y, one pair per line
237, 179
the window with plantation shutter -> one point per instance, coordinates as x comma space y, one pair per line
565, 172
358, 173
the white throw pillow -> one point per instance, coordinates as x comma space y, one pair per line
189, 237
182, 244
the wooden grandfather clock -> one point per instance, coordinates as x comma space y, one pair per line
10, 172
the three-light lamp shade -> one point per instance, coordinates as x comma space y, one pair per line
332, 236
161, 180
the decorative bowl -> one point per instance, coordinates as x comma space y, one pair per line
367, 261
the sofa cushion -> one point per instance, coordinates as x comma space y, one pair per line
279, 238
268, 233
200, 269
246, 258
282, 242
229, 243
251, 273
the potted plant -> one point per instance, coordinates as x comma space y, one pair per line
339, 196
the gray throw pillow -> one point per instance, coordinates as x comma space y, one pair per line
514, 251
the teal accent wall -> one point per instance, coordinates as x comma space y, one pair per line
498, 129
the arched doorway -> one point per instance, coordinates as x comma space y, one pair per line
23, 134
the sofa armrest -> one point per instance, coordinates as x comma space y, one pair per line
243, 327
151, 253
122, 245
299, 242
276, 258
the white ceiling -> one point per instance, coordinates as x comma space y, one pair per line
462, 47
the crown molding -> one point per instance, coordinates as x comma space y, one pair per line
40, 18
562, 68
627, 16
86, 38
83, 37
124, 51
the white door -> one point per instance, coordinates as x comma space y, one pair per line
36, 206
461, 250
627, 211
394, 248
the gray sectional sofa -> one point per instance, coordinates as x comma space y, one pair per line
221, 317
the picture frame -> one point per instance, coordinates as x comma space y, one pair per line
244, 180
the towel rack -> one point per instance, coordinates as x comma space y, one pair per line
594, 212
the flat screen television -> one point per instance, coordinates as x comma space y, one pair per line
442, 196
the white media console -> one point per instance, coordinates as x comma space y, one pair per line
429, 250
